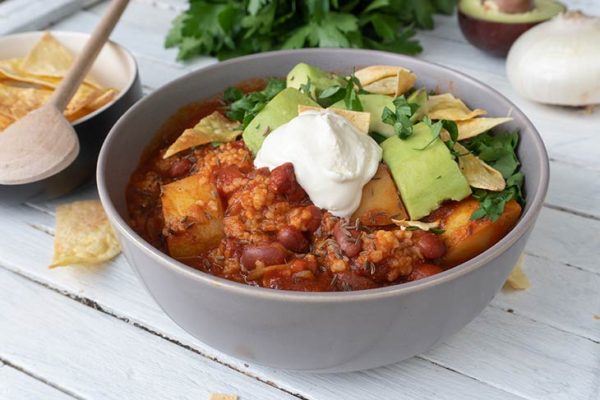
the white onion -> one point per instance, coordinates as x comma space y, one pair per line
558, 62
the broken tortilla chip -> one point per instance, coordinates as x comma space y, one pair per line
212, 128
479, 174
446, 106
424, 226
517, 280
473, 127
222, 396
386, 79
359, 119
83, 235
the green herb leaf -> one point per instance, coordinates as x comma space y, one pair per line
244, 107
499, 151
226, 28
400, 118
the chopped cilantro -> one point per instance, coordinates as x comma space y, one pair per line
400, 117
499, 151
244, 107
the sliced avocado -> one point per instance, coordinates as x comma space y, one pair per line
281, 109
319, 79
374, 104
420, 98
542, 10
425, 176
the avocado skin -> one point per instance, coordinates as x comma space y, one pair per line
319, 79
425, 176
280, 110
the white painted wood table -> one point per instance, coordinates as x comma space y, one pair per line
94, 333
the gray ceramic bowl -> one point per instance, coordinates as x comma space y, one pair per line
320, 332
116, 68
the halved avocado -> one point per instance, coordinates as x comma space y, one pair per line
494, 25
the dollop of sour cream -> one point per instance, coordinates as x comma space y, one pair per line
332, 159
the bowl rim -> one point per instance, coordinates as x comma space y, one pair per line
84, 36
526, 221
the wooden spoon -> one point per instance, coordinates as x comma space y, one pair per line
43, 142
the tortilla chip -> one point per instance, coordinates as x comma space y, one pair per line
424, 226
473, 127
446, 106
212, 128
221, 396
359, 119
48, 57
5, 121
479, 174
517, 280
16, 102
387, 80
83, 235
106, 96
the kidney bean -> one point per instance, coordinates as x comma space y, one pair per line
225, 176
292, 239
283, 181
315, 218
268, 254
180, 168
431, 245
348, 239
423, 271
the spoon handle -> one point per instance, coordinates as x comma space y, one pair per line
77, 72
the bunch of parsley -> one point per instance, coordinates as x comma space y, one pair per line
228, 28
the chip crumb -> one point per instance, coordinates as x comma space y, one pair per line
221, 396
517, 280
597, 317
83, 235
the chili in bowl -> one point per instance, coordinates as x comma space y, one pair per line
401, 184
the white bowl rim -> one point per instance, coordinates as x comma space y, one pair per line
84, 36
526, 221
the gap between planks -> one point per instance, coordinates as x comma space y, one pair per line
10, 364
137, 324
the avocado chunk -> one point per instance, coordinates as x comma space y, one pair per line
374, 104
420, 98
319, 79
425, 176
281, 109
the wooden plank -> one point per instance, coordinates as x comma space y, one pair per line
528, 358
18, 385
29, 15
116, 290
98, 356
566, 298
567, 238
574, 188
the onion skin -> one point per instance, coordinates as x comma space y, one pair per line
558, 62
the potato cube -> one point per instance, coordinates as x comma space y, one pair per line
193, 216
380, 200
466, 238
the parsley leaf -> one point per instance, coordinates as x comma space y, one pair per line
226, 28
400, 117
349, 93
499, 151
244, 107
